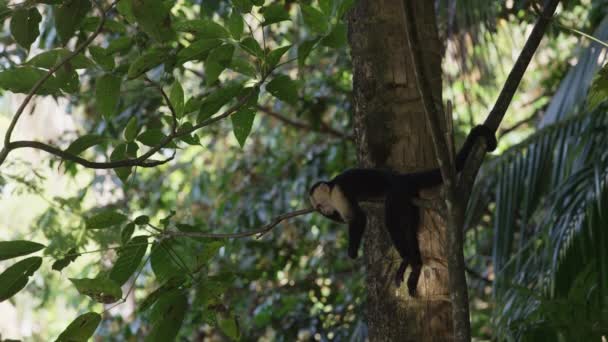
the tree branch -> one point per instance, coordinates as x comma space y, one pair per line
7, 136
259, 232
299, 124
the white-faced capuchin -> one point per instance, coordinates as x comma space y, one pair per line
338, 199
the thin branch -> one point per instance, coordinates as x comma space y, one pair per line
516, 125
497, 113
259, 232
7, 136
168, 102
86, 163
299, 124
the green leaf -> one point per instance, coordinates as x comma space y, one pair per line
84, 142
22, 79
304, 50
151, 137
119, 45
197, 50
129, 259
251, 46
142, 220
326, 6
242, 121
243, 67
162, 261
62, 263
24, 26
228, 324
235, 25
275, 55
148, 60
14, 278
190, 139
314, 19
120, 153
13, 249
154, 18
274, 13
105, 219
243, 6
210, 250
176, 96
68, 79
344, 6
90, 24
167, 317
81, 329
170, 285
125, 8
218, 60
216, 100
102, 290
68, 17
49, 59
283, 88
102, 58
336, 38
127, 232
202, 28
131, 129
107, 94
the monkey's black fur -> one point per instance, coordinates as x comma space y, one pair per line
401, 215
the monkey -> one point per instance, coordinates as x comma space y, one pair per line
338, 199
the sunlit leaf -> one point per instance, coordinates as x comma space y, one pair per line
203, 28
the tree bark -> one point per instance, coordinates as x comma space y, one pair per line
391, 132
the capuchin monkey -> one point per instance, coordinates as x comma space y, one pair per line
338, 200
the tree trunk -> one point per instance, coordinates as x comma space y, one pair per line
391, 132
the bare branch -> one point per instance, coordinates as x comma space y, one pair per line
143, 162
299, 124
259, 232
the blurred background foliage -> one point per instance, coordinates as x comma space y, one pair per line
537, 246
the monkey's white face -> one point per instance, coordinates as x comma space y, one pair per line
321, 200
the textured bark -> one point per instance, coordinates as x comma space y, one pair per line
391, 132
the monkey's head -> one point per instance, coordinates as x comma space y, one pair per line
320, 198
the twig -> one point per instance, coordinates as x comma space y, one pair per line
259, 232
7, 136
299, 124
168, 101
516, 125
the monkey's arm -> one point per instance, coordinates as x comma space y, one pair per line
356, 227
